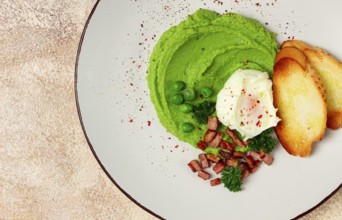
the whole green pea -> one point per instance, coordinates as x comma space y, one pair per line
178, 86
206, 92
187, 127
186, 108
177, 99
189, 94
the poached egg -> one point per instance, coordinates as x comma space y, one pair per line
245, 103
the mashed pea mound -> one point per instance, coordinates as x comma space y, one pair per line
192, 61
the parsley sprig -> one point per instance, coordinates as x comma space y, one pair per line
203, 110
263, 141
231, 178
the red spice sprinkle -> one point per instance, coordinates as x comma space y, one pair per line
258, 101
148, 123
131, 84
258, 124
260, 116
130, 120
177, 146
258, 4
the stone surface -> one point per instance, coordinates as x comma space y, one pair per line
47, 170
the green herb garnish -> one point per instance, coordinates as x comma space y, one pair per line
203, 110
263, 141
231, 178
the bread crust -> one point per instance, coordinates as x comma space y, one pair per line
293, 53
330, 71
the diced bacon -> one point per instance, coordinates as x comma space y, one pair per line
209, 136
268, 159
218, 168
202, 145
213, 123
213, 158
194, 165
217, 140
262, 153
235, 138
232, 162
255, 155
245, 173
256, 165
225, 154
203, 161
204, 175
228, 146
250, 161
243, 165
237, 154
215, 182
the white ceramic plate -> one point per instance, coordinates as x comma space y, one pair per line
147, 163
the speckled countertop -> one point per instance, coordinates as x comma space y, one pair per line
47, 170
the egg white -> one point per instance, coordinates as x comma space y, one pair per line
245, 103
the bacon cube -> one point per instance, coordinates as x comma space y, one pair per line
232, 162
209, 136
228, 146
250, 162
219, 167
268, 159
237, 154
204, 175
213, 158
202, 145
194, 165
214, 143
203, 161
215, 182
213, 123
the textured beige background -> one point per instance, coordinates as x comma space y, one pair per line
47, 170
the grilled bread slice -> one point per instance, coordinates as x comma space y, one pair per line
330, 72
300, 98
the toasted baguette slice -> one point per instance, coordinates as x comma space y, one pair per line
300, 100
299, 56
330, 72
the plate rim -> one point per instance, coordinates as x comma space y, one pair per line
79, 49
